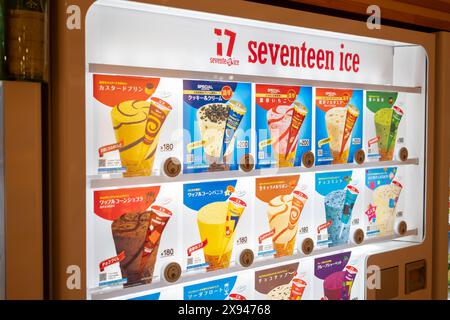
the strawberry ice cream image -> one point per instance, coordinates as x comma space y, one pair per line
279, 120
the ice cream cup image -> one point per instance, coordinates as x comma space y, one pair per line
351, 194
129, 120
297, 289
350, 121
335, 120
299, 114
236, 112
397, 116
385, 200
158, 113
334, 286
284, 213
383, 121
217, 223
212, 119
159, 217
349, 278
334, 205
279, 120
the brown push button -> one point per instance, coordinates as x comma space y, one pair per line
172, 272
402, 228
415, 276
307, 246
246, 258
358, 236
360, 156
247, 163
403, 154
308, 159
172, 167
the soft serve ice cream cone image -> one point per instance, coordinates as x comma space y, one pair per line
385, 199
284, 124
157, 115
212, 119
217, 223
284, 213
129, 120
387, 121
137, 124
340, 123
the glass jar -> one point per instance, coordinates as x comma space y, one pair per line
25, 39
2, 39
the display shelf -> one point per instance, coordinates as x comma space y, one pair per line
116, 180
200, 75
114, 293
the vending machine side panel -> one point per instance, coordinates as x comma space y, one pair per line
23, 190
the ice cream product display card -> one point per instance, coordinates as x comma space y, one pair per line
134, 233
283, 125
134, 121
283, 213
292, 281
384, 201
338, 206
217, 123
384, 126
339, 125
339, 277
234, 287
167, 293
217, 223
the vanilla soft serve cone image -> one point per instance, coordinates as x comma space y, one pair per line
335, 120
129, 120
157, 115
385, 200
212, 225
212, 119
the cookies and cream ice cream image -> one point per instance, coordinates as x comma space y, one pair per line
217, 125
283, 124
212, 119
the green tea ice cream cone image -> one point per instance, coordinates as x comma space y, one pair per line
383, 119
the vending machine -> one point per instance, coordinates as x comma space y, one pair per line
238, 152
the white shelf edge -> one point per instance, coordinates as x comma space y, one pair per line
103, 294
96, 182
201, 75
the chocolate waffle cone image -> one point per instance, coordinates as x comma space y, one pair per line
159, 217
129, 233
